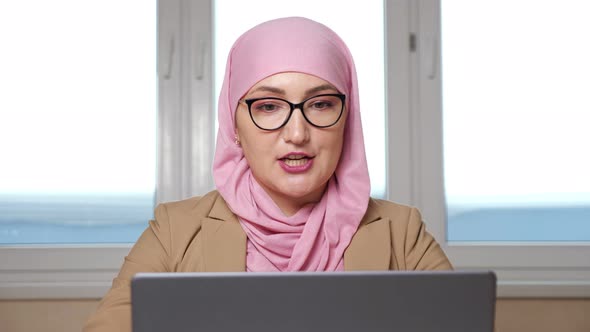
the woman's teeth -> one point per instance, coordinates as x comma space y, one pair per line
295, 162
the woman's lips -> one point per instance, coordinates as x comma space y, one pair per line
296, 162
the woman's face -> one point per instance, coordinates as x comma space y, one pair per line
291, 183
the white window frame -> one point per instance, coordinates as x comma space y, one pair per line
415, 177
523, 269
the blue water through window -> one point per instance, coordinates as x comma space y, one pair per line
72, 219
519, 223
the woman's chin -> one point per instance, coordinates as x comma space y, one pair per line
296, 194
303, 192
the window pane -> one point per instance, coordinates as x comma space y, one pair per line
365, 41
78, 120
516, 114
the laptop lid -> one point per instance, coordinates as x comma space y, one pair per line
311, 301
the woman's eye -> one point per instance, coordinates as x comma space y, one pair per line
321, 105
267, 107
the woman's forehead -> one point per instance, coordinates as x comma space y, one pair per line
292, 82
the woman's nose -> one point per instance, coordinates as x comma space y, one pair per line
296, 131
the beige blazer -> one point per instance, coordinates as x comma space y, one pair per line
201, 234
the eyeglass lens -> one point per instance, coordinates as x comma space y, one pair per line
321, 111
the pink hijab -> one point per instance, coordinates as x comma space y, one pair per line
315, 238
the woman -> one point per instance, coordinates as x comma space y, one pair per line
291, 177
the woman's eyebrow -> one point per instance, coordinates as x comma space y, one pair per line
270, 89
320, 88
308, 92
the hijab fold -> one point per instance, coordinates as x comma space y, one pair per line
314, 238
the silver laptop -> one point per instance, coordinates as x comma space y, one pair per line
310, 301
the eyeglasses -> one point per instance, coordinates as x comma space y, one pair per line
321, 111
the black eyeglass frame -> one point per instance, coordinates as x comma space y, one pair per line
342, 98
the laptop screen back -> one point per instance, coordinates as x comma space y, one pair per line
309, 301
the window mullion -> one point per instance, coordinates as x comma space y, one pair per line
201, 127
399, 134
186, 113
169, 102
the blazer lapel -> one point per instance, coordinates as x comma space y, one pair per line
370, 248
224, 241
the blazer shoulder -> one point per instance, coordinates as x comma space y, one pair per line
403, 218
413, 247
396, 213
193, 208
181, 220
